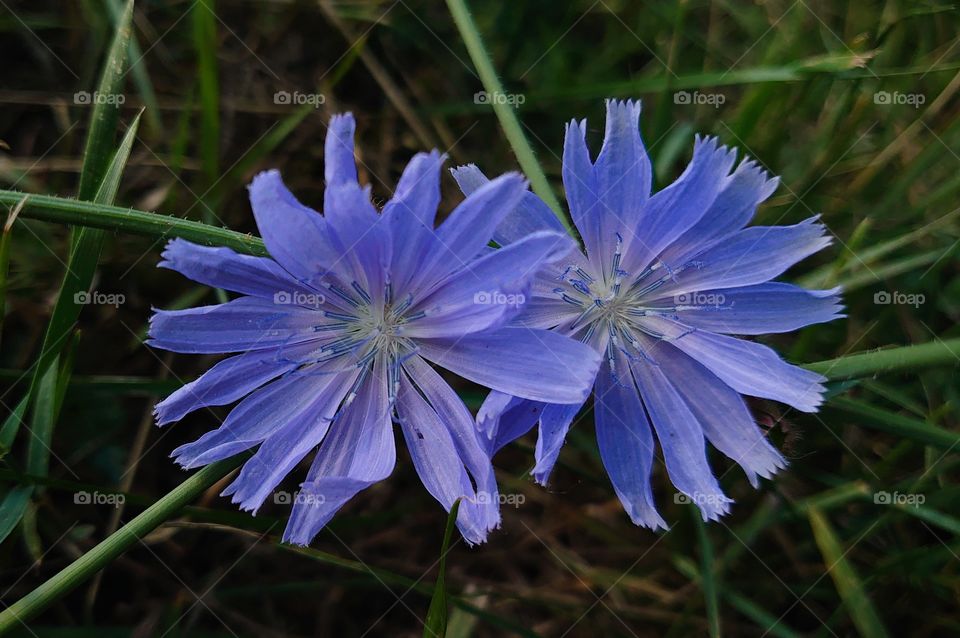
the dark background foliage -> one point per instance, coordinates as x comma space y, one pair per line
853, 103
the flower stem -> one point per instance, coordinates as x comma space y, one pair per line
934, 353
505, 112
81, 213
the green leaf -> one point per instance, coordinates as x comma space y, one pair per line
845, 578
436, 624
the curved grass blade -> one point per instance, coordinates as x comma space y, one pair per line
505, 112
48, 384
436, 624
845, 578
114, 545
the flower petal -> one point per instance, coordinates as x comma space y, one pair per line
626, 444
555, 421
339, 164
358, 451
678, 207
760, 309
481, 294
723, 415
747, 367
733, 209
751, 256
531, 215
245, 323
437, 461
503, 419
460, 424
223, 268
532, 364
294, 234
260, 415
623, 169
224, 383
681, 440
286, 447
468, 229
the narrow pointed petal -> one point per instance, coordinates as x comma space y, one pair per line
532, 364
294, 234
226, 382
760, 309
555, 422
531, 215
733, 209
623, 170
681, 439
223, 268
724, 417
435, 457
358, 451
626, 444
466, 439
281, 452
678, 207
747, 367
246, 323
752, 256
340, 166
487, 291
261, 414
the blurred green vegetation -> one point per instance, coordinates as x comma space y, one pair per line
854, 104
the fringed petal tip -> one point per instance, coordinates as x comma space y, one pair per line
264, 179
646, 517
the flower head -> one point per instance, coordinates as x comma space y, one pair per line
336, 328
664, 282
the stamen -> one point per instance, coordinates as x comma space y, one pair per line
360, 291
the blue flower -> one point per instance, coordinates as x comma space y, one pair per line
664, 282
335, 332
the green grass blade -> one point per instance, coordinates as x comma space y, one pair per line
436, 624
899, 425
845, 578
505, 112
708, 579
115, 544
138, 71
106, 112
205, 42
